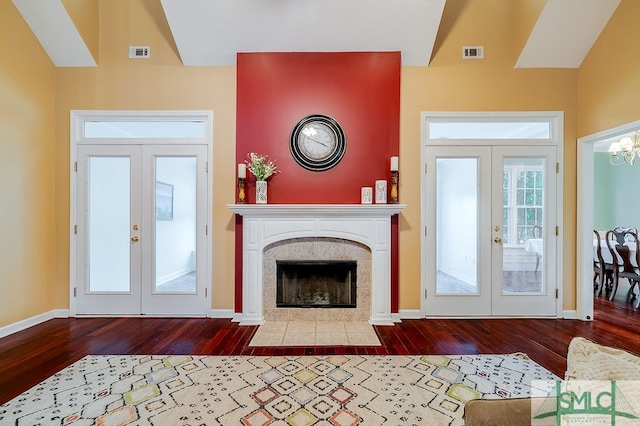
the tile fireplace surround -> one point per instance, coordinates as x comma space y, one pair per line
368, 224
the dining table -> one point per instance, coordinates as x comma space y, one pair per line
606, 254
534, 245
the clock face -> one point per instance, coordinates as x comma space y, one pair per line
317, 142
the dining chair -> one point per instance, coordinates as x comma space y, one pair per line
620, 244
536, 233
602, 271
619, 232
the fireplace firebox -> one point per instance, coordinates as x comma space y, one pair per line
316, 284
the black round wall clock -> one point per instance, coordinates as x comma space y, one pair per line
318, 142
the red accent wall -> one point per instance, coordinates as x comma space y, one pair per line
361, 90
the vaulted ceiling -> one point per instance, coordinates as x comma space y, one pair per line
563, 34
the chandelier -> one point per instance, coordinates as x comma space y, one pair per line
625, 151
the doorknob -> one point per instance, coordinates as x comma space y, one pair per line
497, 240
135, 239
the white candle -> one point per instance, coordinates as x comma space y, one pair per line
242, 171
366, 194
394, 164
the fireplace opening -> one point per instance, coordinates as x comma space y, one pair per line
316, 284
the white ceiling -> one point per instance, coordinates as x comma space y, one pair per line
211, 32
232, 26
565, 32
56, 33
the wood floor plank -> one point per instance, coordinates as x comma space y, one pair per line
32, 355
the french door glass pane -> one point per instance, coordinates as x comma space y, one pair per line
109, 224
175, 209
457, 225
523, 247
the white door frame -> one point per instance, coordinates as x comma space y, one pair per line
77, 120
556, 120
584, 219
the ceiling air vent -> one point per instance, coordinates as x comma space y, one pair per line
139, 52
472, 52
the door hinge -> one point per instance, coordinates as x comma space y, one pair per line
206, 230
425, 293
75, 229
557, 167
425, 168
425, 230
75, 292
557, 293
206, 293
557, 230
75, 166
206, 167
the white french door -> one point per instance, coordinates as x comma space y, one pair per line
141, 231
490, 240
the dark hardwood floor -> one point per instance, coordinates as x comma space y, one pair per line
32, 355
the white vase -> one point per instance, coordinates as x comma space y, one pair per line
381, 192
261, 192
366, 195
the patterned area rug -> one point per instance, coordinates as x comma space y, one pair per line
306, 390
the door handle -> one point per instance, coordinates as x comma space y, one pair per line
135, 239
497, 240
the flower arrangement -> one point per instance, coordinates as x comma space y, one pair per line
260, 166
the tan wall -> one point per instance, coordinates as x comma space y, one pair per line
158, 83
35, 172
27, 156
453, 84
609, 77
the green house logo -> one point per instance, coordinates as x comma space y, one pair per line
592, 405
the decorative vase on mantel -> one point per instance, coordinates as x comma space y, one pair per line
261, 192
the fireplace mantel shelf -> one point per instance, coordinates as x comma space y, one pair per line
316, 210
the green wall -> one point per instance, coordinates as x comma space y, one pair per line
616, 200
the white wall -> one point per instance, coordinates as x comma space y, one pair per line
176, 239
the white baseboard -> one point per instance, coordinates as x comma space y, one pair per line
35, 320
410, 314
396, 317
570, 314
221, 313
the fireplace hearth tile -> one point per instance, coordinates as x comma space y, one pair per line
358, 327
267, 339
274, 327
324, 333
305, 327
299, 338
363, 339
332, 339
331, 327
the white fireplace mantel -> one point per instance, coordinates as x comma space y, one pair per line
264, 224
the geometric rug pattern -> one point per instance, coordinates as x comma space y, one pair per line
284, 390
